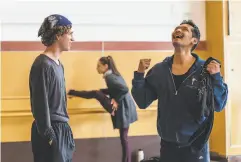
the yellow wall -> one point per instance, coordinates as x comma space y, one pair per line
87, 119
81, 74
215, 44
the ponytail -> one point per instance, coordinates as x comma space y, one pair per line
111, 64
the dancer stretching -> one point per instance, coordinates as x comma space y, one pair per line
120, 104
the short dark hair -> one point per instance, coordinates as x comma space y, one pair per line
195, 31
111, 64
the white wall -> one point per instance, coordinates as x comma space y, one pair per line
102, 21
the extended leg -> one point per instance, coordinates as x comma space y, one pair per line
98, 95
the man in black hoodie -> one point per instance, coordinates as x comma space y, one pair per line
175, 83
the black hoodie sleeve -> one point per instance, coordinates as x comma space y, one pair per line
142, 91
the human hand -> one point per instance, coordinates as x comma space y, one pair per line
213, 67
143, 65
114, 104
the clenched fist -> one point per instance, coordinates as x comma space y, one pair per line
213, 67
143, 65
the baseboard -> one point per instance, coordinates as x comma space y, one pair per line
214, 156
87, 150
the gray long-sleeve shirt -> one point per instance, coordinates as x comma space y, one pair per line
47, 94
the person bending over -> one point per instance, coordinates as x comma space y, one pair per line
119, 103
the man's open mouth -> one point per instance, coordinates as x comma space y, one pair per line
178, 35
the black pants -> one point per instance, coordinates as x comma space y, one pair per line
61, 149
98, 95
171, 153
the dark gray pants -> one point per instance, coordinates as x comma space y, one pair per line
98, 95
61, 150
171, 153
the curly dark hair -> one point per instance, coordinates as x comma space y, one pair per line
195, 31
49, 36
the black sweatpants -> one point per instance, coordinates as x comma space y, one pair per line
61, 149
171, 153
